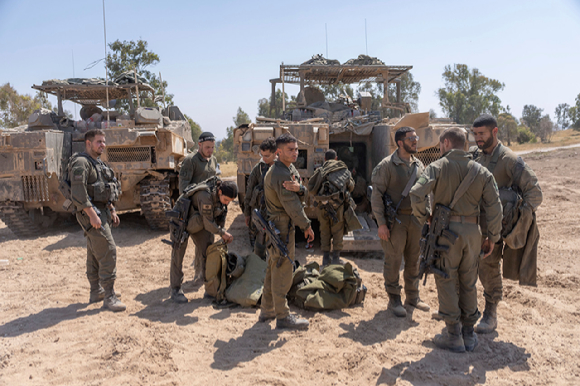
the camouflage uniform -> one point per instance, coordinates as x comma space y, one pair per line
328, 228
391, 176
503, 164
255, 188
196, 169
443, 177
101, 248
286, 210
207, 218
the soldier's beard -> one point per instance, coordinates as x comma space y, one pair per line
409, 149
486, 145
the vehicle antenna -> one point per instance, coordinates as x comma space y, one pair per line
106, 71
366, 44
162, 89
326, 31
73, 63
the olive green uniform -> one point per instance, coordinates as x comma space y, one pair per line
329, 229
207, 218
443, 178
196, 169
391, 176
85, 191
254, 186
502, 162
286, 210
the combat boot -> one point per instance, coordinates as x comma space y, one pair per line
325, 259
177, 295
98, 293
469, 338
111, 301
451, 339
488, 323
396, 306
291, 322
336, 258
417, 303
265, 318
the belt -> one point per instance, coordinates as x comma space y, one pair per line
405, 211
465, 219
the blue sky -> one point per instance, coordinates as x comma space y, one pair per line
219, 55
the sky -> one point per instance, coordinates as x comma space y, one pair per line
219, 55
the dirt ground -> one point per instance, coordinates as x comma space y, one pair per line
49, 335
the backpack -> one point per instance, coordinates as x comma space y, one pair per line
331, 185
221, 268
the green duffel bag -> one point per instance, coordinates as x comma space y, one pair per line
247, 289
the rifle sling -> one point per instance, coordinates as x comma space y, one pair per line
466, 183
409, 185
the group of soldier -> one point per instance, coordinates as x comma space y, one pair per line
464, 183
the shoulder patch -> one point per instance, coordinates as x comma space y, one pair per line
422, 180
78, 171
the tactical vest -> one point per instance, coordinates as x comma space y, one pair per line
220, 211
106, 189
333, 188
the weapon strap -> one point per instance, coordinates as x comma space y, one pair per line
466, 183
495, 158
410, 183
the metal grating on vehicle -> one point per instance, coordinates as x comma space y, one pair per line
429, 155
35, 188
129, 154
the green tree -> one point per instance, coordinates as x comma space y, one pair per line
410, 90
16, 108
562, 114
546, 128
225, 147
264, 105
468, 94
574, 114
525, 135
508, 127
130, 56
531, 115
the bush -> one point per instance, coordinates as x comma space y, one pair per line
525, 135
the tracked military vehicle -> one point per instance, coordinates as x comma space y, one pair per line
144, 147
361, 137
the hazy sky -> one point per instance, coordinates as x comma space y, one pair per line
219, 55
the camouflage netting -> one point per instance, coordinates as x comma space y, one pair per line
364, 60
124, 78
319, 60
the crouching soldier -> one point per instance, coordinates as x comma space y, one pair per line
331, 185
285, 209
254, 198
207, 217
94, 189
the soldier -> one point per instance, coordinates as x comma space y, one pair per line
254, 198
199, 166
394, 176
359, 194
207, 218
461, 185
285, 209
94, 189
510, 173
332, 179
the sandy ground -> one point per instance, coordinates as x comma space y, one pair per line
49, 335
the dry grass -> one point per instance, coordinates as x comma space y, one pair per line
229, 169
560, 138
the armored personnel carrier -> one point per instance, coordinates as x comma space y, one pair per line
144, 147
361, 137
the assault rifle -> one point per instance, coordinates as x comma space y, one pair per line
430, 249
391, 210
178, 218
329, 210
269, 228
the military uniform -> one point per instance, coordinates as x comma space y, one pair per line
359, 194
254, 199
195, 169
330, 229
443, 178
391, 176
93, 184
286, 210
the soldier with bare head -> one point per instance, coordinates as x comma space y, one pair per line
521, 195
399, 230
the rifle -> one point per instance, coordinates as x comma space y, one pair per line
391, 210
178, 218
430, 249
269, 228
329, 210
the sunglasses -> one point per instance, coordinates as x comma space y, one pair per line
413, 138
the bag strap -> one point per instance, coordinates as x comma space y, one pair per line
495, 158
466, 183
410, 183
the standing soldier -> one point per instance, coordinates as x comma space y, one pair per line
254, 198
512, 175
399, 230
209, 207
459, 185
199, 166
331, 185
284, 195
94, 189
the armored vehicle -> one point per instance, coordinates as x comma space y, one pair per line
144, 147
361, 138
